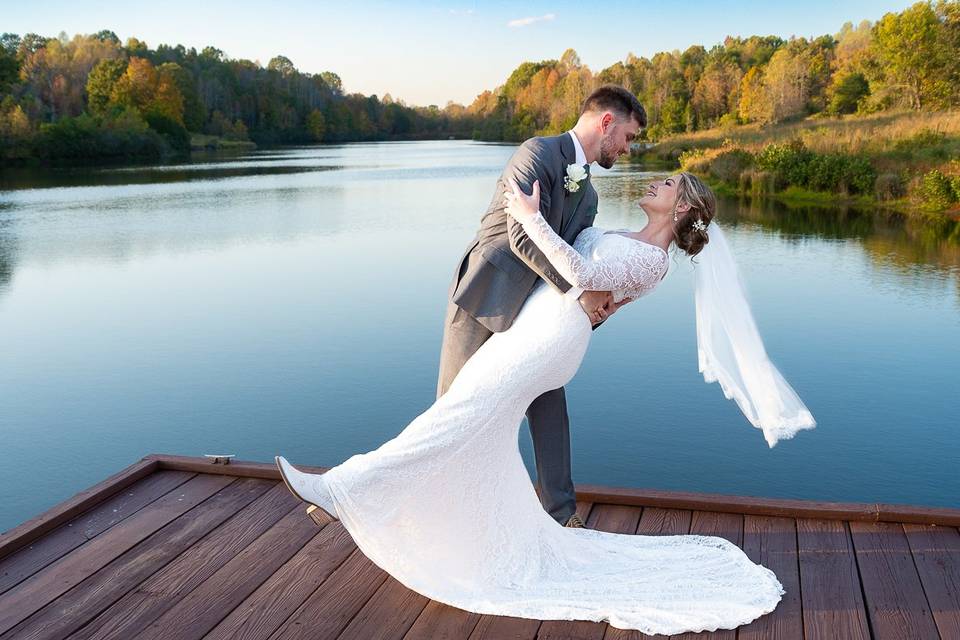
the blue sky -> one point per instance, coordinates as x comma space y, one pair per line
431, 52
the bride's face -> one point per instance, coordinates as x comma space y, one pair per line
660, 197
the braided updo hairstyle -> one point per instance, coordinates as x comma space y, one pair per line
703, 206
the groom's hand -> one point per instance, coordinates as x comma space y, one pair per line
598, 305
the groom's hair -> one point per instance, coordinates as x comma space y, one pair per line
611, 97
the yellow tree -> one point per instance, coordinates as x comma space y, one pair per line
167, 101
853, 48
910, 47
137, 86
43, 71
55, 71
148, 91
715, 93
787, 83
754, 105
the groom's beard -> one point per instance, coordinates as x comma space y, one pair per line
608, 155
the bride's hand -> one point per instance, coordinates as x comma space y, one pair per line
519, 205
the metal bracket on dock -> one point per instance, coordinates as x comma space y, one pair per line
221, 458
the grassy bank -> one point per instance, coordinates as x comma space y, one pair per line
909, 161
203, 142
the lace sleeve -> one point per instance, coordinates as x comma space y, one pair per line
637, 270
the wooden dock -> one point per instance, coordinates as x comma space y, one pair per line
175, 547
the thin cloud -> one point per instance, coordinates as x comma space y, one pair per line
525, 22
461, 12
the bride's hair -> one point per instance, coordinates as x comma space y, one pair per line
703, 206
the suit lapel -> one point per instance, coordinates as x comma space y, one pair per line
567, 150
574, 203
571, 201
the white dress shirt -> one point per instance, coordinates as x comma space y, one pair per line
581, 157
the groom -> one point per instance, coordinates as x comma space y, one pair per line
502, 265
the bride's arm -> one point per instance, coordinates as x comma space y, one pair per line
633, 272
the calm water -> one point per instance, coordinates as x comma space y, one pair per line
292, 302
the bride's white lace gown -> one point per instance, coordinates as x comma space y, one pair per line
448, 509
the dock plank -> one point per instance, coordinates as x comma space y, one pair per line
603, 517
276, 599
325, 614
505, 628
158, 592
57, 578
127, 559
73, 609
656, 521
438, 620
203, 608
772, 542
830, 594
388, 614
42, 524
936, 552
892, 591
26, 561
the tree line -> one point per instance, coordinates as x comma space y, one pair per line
909, 59
92, 96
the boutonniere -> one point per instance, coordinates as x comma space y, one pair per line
575, 175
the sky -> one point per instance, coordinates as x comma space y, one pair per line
432, 52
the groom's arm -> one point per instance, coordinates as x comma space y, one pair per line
526, 166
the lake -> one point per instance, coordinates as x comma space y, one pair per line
291, 302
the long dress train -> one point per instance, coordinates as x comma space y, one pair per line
448, 509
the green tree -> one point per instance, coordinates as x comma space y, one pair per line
212, 54
949, 13
9, 64
754, 51
316, 125
846, 92
101, 82
107, 36
909, 45
136, 47
193, 112
282, 65
30, 43
332, 80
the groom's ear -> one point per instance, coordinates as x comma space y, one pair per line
606, 121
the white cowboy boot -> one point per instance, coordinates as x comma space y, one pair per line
309, 487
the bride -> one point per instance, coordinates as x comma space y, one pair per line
447, 506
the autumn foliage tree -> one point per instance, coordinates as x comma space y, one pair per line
90, 85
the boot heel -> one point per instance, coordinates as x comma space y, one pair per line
316, 512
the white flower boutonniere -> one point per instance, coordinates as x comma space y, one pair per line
575, 175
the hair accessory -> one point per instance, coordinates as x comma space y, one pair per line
699, 225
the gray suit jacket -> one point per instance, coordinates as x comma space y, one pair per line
501, 266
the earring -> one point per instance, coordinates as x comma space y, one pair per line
675, 218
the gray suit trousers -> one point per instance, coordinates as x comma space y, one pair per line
547, 415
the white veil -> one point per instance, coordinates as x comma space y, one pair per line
731, 351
